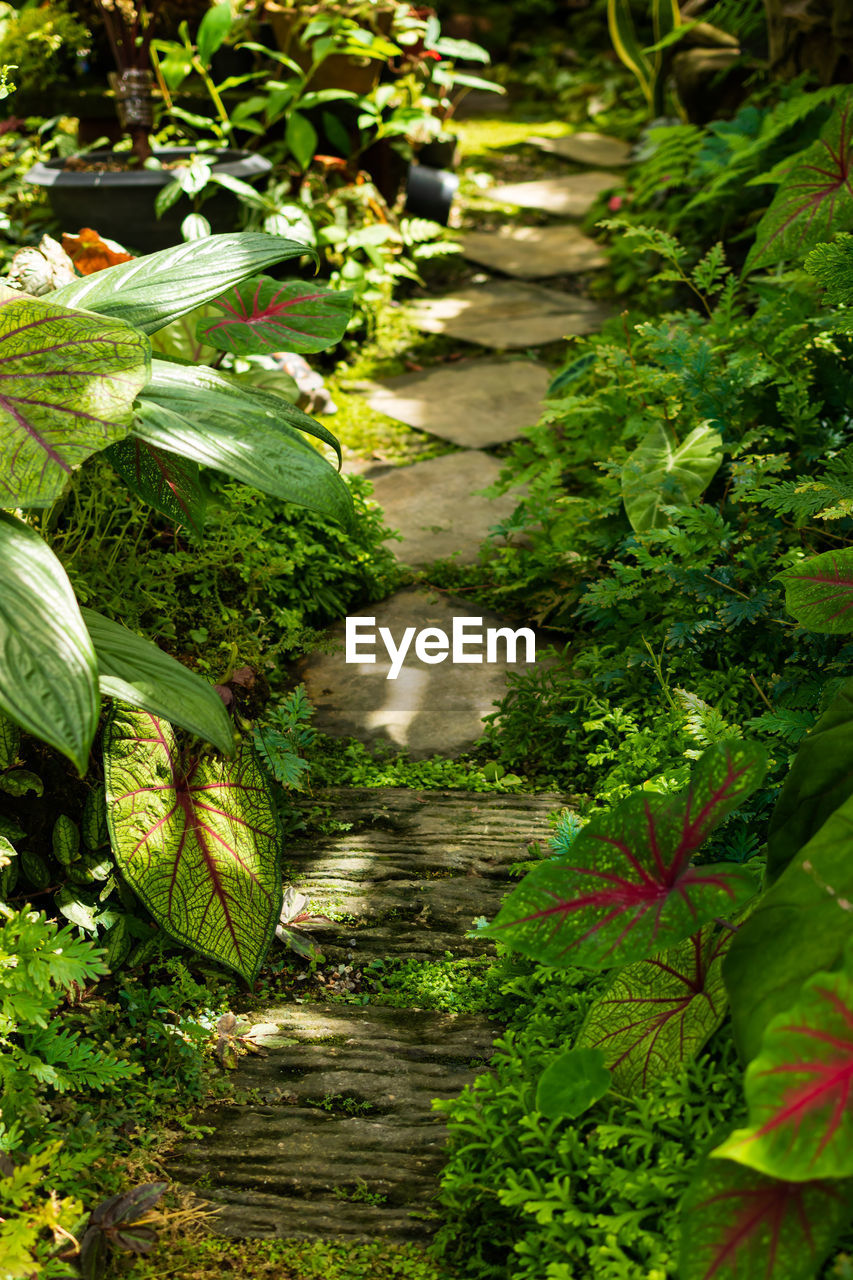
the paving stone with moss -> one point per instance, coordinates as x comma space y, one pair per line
534, 252
570, 197
472, 403
586, 148
508, 315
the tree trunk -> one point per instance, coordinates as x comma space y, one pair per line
812, 35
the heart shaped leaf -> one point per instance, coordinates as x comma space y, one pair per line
197, 840
571, 1084
819, 592
659, 1012
170, 484
626, 887
800, 1088
67, 386
815, 198
661, 472
266, 315
738, 1225
49, 673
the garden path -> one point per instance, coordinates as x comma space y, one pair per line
335, 1135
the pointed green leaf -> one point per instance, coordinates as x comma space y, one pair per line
800, 1088
213, 30
197, 840
814, 200
819, 592
49, 672
10, 741
799, 927
661, 472
571, 1084
265, 315
136, 671
819, 782
151, 292
626, 887
170, 484
247, 433
738, 1225
659, 1012
67, 386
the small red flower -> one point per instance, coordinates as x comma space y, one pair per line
614, 203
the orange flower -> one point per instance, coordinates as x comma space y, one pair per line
90, 253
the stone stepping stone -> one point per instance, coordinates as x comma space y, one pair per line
428, 709
341, 1105
534, 252
587, 148
437, 509
475, 404
413, 868
508, 315
571, 196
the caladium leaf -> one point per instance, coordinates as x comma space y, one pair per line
67, 386
799, 927
737, 1224
262, 316
659, 1012
151, 292
814, 200
626, 887
819, 782
197, 840
663, 473
137, 672
819, 592
49, 673
800, 1088
170, 484
244, 432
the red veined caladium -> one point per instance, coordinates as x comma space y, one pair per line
659, 1012
819, 592
627, 887
197, 839
737, 1224
265, 315
800, 1087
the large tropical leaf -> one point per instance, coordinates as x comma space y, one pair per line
814, 200
197, 840
67, 386
170, 484
266, 315
799, 927
151, 292
800, 1088
135, 671
247, 433
819, 592
659, 1012
572, 1083
737, 1224
819, 782
663, 473
49, 671
626, 888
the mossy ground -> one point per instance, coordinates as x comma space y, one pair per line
206, 1258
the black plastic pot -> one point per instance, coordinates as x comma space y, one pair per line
121, 205
440, 153
430, 192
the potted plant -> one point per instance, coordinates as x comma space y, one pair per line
343, 45
117, 190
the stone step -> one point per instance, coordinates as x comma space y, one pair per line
508, 314
571, 196
534, 252
586, 147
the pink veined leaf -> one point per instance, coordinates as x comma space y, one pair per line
263, 316
627, 888
737, 1224
800, 1087
197, 840
169, 483
819, 592
814, 200
659, 1012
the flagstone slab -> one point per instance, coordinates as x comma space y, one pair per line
430, 708
475, 403
436, 508
571, 196
534, 252
587, 148
508, 314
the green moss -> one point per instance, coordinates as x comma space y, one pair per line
493, 133
209, 1259
450, 985
364, 433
